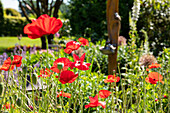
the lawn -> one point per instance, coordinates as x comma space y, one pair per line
6, 42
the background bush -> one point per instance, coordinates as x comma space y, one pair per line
154, 18
1, 17
13, 26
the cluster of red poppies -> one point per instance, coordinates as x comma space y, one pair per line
46, 25
73, 45
154, 77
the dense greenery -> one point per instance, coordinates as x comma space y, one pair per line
154, 18
131, 94
13, 26
1, 17
88, 18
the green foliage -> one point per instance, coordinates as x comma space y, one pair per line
131, 94
12, 12
1, 11
154, 19
1, 17
88, 18
13, 26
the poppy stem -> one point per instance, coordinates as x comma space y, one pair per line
47, 48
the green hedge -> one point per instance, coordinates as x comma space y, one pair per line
13, 26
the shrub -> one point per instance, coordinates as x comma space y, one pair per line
1, 17
13, 26
154, 19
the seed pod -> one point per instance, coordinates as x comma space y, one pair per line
60, 66
34, 78
1, 88
19, 102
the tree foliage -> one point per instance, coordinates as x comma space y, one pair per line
88, 18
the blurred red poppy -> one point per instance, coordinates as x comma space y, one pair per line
83, 41
71, 46
147, 69
79, 63
104, 93
156, 100
67, 77
65, 61
7, 63
7, 67
94, 102
154, 77
44, 25
154, 66
8, 106
16, 60
68, 95
45, 73
112, 78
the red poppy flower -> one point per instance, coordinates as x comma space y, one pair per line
44, 25
7, 63
165, 96
8, 106
7, 67
68, 95
16, 61
112, 78
45, 73
79, 63
147, 69
67, 77
154, 77
156, 100
65, 61
71, 46
83, 41
94, 102
104, 93
154, 66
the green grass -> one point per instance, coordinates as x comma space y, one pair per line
6, 42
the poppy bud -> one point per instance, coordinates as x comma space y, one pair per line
60, 66
1, 88
34, 78
19, 102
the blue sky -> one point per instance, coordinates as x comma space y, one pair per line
14, 4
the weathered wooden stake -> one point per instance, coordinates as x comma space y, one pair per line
113, 26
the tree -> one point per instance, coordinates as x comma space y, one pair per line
39, 7
1, 17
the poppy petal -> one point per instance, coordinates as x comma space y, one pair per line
104, 93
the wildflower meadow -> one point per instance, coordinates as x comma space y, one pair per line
74, 79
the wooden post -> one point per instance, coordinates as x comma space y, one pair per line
113, 26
